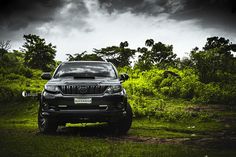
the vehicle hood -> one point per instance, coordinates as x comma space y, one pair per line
70, 81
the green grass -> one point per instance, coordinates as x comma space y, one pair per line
182, 129
28, 144
19, 136
25, 141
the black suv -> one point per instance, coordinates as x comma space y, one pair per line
84, 91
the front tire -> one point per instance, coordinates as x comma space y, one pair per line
46, 125
122, 126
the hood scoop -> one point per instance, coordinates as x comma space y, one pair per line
84, 77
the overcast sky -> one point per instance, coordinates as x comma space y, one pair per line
80, 25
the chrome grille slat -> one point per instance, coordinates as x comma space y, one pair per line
76, 89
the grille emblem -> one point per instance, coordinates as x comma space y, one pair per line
83, 89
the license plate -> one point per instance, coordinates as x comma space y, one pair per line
83, 100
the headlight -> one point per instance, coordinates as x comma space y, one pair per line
51, 88
114, 89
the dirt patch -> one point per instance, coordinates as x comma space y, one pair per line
208, 108
150, 140
209, 142
223, 142
214, 139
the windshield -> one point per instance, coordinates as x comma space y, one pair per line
86, 70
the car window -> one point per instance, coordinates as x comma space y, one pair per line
86, 69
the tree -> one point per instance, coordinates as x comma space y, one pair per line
144, 59
83, 57
216, 42
216, 62
38, 54
149, 42
4, 48
124, 44
185, 62
118, 55
159, 54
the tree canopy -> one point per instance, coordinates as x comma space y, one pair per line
38, 54
216, 61
155, 54
84, 56
119, 55
4, 47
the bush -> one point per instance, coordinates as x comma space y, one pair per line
12, 85
184, 84
145, 106
139, 87
228, 94
208, 93
13, 76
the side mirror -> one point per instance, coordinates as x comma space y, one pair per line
124, 77
46, 76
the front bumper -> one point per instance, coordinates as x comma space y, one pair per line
103, 108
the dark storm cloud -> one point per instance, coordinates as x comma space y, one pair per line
220, 5
18, 17
16, 14
168, 6
150, 7
209, 13
72, 15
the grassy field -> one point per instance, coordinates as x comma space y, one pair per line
201, 137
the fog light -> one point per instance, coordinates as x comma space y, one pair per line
48, 95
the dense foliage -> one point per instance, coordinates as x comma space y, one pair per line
207, 76
16, 77
216, 62
150, 90
38, 54
83, 56
159, 54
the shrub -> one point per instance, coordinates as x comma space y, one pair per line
208, 93
12, 76
139, 87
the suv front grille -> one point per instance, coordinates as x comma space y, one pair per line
83, 89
